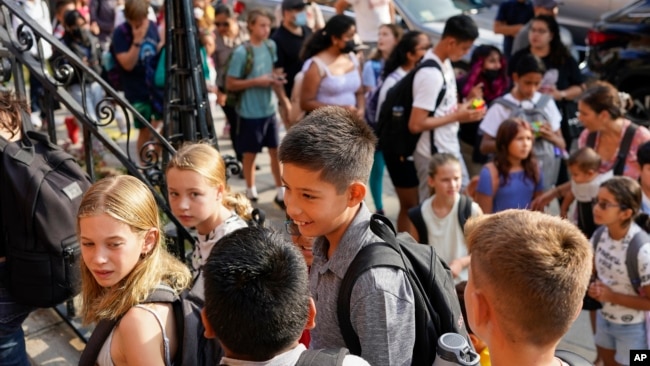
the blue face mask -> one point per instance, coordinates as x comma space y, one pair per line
301, 19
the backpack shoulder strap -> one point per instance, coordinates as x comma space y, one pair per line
591, 139
415, 215
543, 101
597, 235
464, 210
439, 99
247, 68
571, 358
94, 345
624, 149
632, 258
506, 103
165, 294
371, 256
433, 63
324, 357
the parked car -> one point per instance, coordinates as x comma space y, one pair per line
577, 15
427, 16
619, 51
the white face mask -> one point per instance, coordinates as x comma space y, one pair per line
198, 13
585, 192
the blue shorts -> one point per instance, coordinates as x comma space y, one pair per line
620, 337
256, 133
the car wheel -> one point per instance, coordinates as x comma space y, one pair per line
639, 113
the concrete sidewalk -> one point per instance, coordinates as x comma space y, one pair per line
51, 341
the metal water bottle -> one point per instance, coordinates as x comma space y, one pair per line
453, 349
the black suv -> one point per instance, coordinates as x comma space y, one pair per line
619, 52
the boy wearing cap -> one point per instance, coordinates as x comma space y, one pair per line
511, 17
289, 38
543, 7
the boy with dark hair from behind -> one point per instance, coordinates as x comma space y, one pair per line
326, 162
433, 84
257, 301
643, 158
526, 284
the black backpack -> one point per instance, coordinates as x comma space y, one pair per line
415, 215
437, 310
193, 347
42, 188
395, 138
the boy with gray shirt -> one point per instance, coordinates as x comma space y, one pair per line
326, 161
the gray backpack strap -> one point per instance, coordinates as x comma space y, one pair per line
632, 258
596, 237
323, 357
543, 101
506, 103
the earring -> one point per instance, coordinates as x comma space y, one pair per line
143, 255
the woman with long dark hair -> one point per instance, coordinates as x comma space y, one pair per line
332, 75
405, 56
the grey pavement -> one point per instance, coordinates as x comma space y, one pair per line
51, 341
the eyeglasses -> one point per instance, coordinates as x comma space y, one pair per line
425, 47
221, 24
604, 205
292, 228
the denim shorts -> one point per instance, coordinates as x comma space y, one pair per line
620, 337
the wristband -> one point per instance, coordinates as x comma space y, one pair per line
137, 44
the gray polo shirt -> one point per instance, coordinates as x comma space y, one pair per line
382, 307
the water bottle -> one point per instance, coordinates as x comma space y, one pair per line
398, 111
453, 349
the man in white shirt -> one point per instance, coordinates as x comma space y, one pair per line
457, 39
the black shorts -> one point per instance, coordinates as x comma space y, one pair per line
401, 171
256, 133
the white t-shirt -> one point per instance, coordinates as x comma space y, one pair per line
497, 113
390, 81
445, 233
426, 87
612, 271
289, 358
369, 15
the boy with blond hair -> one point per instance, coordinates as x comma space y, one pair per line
526, 283
326, 162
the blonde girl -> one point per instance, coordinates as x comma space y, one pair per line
620, 324
124, 259
440, 214
200, 197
